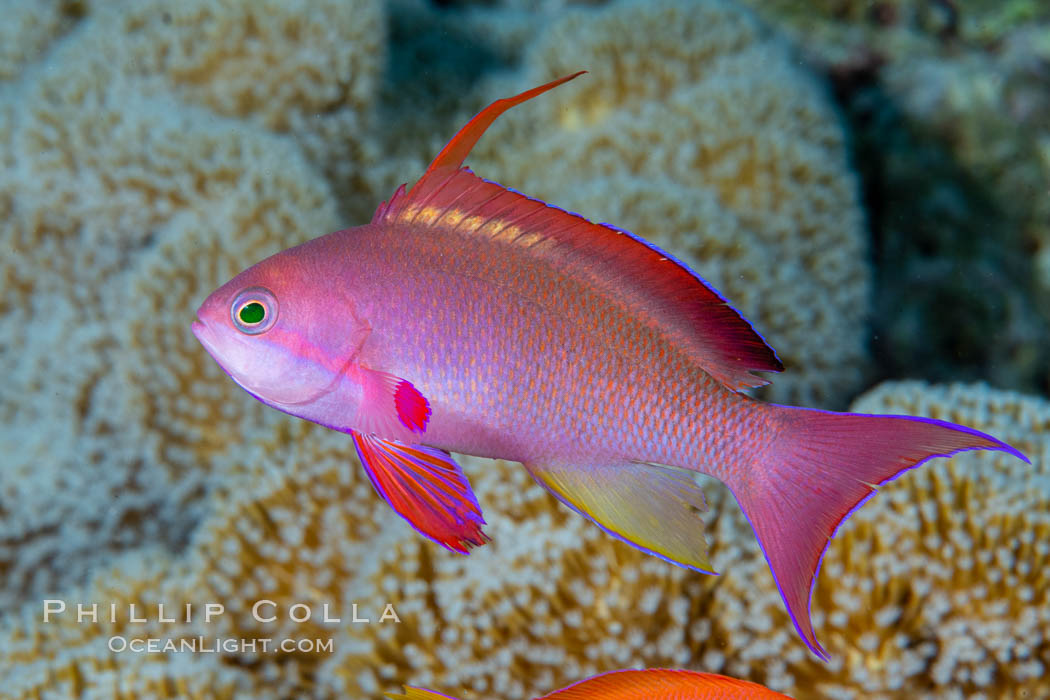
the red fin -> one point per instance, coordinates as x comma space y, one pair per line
662, 684
657, 284
391, 407
821, 468
426, 488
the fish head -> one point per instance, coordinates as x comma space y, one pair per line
281, 330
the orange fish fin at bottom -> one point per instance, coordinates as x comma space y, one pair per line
656, 509
412, 693
663, 684
426, 488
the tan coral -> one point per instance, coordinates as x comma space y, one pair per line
296, 521
694, 109
125, 207
571, 601
952, 102
29, 28
306, 68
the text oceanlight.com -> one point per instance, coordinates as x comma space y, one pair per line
219, 645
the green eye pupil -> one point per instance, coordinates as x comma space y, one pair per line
252, 313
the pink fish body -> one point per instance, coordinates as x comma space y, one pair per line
652, 684
469, 318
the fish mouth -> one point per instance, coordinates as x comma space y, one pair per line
203, 334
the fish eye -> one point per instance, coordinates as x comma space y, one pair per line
254, 310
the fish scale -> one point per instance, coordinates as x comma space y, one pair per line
468, 317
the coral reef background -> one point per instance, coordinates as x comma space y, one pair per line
868, 182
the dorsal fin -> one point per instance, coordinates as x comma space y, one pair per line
454, 198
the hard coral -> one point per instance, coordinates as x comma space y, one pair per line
296, 522
29, 28
123, 207
307, 68
696, 130
951, 105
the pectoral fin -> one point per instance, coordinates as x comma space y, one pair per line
426, 488
391, 407
656, 509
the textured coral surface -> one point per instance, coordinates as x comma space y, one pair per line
950, 102
149, 151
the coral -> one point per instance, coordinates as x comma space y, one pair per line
29, 28
696, 130
307, 68
296, 521
69, 656
951, 103
123, 207
153, 151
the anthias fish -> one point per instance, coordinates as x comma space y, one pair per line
469, 318
652, 684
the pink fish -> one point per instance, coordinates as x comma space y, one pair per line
652, 684
467, 317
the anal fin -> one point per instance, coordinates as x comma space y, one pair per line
656, 509
426, 488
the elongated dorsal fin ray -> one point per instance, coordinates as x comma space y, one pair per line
451, 157
457, 150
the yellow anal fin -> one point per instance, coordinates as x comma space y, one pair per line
656, 509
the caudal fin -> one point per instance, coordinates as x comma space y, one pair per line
821, 468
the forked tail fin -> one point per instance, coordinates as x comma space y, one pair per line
820, 468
